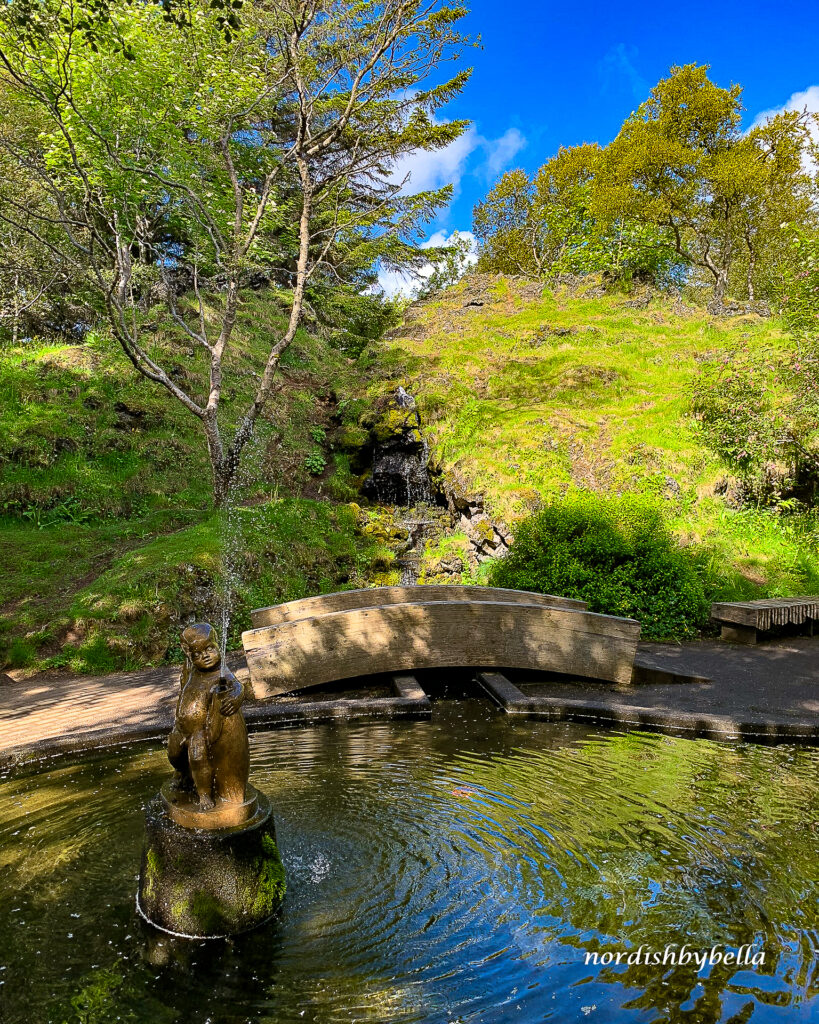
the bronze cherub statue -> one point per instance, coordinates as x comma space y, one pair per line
208, 744
210, 863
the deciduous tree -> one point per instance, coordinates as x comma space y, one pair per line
190, 144
547, 225
681, 163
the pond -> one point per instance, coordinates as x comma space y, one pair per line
462, 869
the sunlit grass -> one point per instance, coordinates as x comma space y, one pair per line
105, 490
127, 614
531, 397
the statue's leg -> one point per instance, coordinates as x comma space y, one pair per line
231, 761
201, 769
178, 756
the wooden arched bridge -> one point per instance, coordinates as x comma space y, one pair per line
399, 629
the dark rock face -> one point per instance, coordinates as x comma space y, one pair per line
400, 474
205, 884
488, 539
731, 307
128, 419
65, 444
457, 495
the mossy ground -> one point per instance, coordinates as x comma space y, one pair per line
529, 393
106, 522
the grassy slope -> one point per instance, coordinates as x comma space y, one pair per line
108, 539
531, 394
106, 531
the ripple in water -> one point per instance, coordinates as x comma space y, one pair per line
458, 870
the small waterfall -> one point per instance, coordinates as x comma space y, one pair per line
418, 528
400, 474
400, 477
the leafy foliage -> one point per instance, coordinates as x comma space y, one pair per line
316, 462
449, 264
204, 147
546, 226
682, 193
739, 410
615, 554
760, 413
801, 305
682, 164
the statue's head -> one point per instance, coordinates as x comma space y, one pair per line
201, 644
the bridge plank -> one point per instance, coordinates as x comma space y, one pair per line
436, 634
373, 597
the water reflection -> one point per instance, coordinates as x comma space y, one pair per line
453, 870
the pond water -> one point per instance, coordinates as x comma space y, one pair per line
455, 870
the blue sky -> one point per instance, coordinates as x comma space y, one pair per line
560, 74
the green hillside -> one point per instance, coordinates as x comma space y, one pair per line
107, 531
110, 542
528, 393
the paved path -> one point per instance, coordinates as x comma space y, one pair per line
767, 690
51, 715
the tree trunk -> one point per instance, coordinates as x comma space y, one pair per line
15, 323
223, 480
720, 286
751, 268
223, 470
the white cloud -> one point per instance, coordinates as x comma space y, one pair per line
425, 169
799, 101
394, 283
501, 152
429, 169
441, 238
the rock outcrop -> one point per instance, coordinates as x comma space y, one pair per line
399, 474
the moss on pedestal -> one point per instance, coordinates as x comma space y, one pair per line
272, 884
210, 883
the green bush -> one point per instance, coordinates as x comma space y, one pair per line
617, 555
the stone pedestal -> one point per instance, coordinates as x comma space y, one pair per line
207, 883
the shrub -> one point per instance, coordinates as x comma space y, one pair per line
315, 462
617, 555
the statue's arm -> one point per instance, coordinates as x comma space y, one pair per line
232, 699
185, 674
